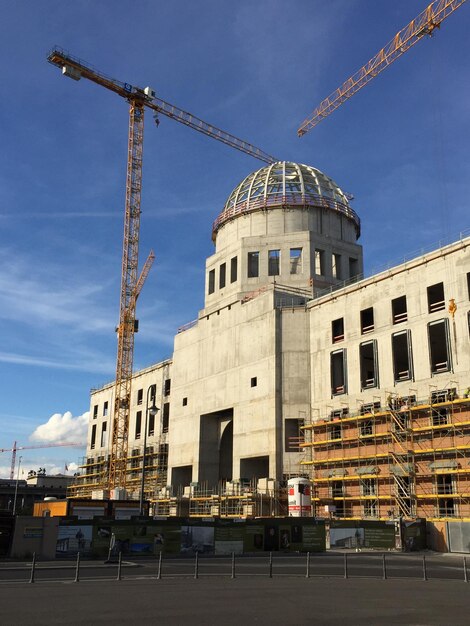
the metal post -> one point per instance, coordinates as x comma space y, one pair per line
384, 567
465, 573
77, 569
345, 565
270, 565
33, 567
196, 566
119, 566
425, 575
159, 573
307, 575
233, 564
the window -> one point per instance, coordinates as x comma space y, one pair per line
439, 347
334, 432
138, 424
368, 487
337, 330
338, 372
439, 416
222, 273
436, 300
105, 409
336, 266
368, 364
320, 262
337, 489
95, 411
367, 320
151, 424
234, 269
296, 260
140, 395
274, 257
93, 436
399, 311
353, 267
254, 381
167, 387
370, 508
104, 439
166, 417
185, 401
468, 284
444, 483
253, 264
211, 282
366, 428
293, 435
402, 356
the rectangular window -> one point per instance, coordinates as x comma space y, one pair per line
166, 417
185, 401
95, 411
211, 282
436, 301
254, 381
439, 416
167, 387
444, 483
151, 424
293, 434
93, 436
366, 428
399, 311
439, 347
140, 395
274, 257
105, 409
138, 424
337, 489
334, 432
368, 365
336, 266
369, 487
104, 439
367, 320
253, 264
320, 262
402, 356
222, 273
353, 267
234, 269
370, 508
337, 330
296, 260
338, 372
468, 284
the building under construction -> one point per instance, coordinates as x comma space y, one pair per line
299, 365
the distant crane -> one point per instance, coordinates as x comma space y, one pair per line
15, 448
430, 19
138, 99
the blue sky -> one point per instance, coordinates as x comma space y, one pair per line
255, 69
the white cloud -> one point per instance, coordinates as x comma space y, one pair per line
63, 428
51, 469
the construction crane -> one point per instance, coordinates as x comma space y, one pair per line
425, 24
15, 448
138, 99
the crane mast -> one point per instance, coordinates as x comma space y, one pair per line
426, 22
138, 99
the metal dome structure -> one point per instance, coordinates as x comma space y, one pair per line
285, 185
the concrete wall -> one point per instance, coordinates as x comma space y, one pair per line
35, 534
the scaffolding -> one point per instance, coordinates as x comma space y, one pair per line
394, 457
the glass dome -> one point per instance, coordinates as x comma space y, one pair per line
285, 184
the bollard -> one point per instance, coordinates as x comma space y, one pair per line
33, 567
119, 566
384, 567
425, 575
307, 575
196, 566
159, 572
270, 565
345, 565
77, 569
465, 574
233, 564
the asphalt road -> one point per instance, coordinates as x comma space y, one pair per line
364, 565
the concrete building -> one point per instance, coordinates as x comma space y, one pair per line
291, 333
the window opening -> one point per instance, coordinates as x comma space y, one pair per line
366, 428
436, 300
402, 356
211, 285
368, 364
185, 401
138, 424
369, 487
167, 387
338, 372
140, 395
337, 489
254, 381
367, 320
234, 269
104, 427
334, 431
399, 310
370, 508
336, 265
253, 264
166, 417
93, 436
274, 257
439, 416
222, 273
293, 434
95, 411
320, 262
337, 330
105, 409
439, 348
296, 260
353, 267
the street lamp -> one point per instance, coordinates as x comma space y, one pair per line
16, 486
152, 410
